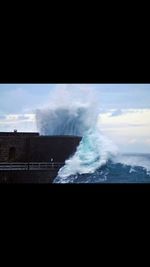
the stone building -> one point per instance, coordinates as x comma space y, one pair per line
31, 147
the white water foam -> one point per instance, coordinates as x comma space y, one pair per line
93, 152
71, 111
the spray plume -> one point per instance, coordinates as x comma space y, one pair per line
74, 110
71, 111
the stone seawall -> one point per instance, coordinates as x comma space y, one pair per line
23, 176
22, 148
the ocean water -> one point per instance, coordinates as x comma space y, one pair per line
98, 160
123, 168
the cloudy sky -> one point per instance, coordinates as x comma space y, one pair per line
124, 110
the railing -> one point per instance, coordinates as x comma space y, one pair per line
30, 166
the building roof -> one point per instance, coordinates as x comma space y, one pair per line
15, 133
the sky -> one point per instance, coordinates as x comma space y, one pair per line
124, 109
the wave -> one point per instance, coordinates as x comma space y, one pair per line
92, 153
134, 160
110, 173
75, 112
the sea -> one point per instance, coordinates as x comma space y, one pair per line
124, 168
96, 159
99, 157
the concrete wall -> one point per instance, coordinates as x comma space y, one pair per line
6, 143
42, 149
22, 177
34, 148
37, 148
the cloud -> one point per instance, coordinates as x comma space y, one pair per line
21, 122
130, 116
130, 129
147, 141
117, 112
137, 125
17, 117
132, 141
2, 117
